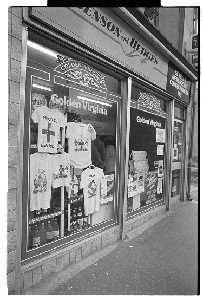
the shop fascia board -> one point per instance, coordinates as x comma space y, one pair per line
161, 44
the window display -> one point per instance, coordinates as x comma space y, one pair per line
146, 149
72, 147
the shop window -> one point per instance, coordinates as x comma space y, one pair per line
177, 141
146, 149
70, 150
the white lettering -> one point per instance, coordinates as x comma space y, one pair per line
95, 109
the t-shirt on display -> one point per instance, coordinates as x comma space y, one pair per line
79, 137
91, 184
49, 122
61, 173
41, 174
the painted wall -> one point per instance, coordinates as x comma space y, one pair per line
169, 24
187, 44
188, 31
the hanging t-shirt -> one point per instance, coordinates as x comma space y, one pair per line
49, 122
61, 174
41, 174
79, 137
91, 185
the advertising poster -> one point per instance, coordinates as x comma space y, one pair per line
141, 176
152, 186
159, 185
107, 188
160, 135
132, 185
160, 149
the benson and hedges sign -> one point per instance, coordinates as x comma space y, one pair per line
177, 84
102, 30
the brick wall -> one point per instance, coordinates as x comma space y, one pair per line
41, 275
14, 65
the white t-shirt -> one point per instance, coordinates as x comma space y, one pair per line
49, 122
79, 142
41, 174
61, 173
91, 185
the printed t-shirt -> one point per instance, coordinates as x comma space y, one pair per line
79, 142
91, 185
41, 174
61, 174
107, 188
49, 122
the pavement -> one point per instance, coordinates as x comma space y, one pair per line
161, 260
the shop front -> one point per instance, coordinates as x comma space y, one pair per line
97, 130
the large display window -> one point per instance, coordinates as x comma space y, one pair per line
70, 149
146, 151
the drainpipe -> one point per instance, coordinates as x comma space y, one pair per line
189, 198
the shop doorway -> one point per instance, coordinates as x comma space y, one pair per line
177, 159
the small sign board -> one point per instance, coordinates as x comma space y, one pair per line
177, 83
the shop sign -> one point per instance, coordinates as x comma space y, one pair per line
147, 121
177, 84
63, 103
104, 31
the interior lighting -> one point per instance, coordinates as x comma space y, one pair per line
42, 49
41, 87
95, 101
